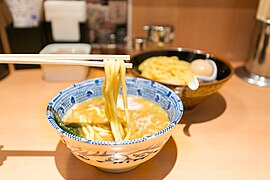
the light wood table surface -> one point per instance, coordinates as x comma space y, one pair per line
226, 137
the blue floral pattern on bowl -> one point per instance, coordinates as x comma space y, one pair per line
145, 147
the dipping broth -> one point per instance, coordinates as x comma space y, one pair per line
90, 120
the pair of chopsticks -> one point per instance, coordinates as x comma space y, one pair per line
94, 60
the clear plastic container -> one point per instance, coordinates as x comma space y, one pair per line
65, 72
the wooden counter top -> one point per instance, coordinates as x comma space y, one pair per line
226, 137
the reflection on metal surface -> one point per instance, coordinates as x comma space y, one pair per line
258, 64
252, 78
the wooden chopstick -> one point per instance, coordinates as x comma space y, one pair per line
68, 56
21, 60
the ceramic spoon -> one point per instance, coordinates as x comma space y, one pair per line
193, 85
213, 76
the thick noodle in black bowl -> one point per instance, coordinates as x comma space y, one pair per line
190, 98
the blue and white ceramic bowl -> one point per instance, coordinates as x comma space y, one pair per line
115, 156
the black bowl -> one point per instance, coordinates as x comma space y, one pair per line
190, 98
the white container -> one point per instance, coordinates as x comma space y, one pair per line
65, 18
25, 13
65, 72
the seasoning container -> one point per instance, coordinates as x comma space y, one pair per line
159, 36
139, 44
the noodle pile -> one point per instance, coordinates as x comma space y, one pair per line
167, 69
115, 77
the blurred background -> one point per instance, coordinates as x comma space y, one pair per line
223, 27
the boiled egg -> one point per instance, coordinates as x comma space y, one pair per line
201, 67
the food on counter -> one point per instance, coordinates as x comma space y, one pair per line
88, 119
167, 69
201, 67
109, 118
174, 71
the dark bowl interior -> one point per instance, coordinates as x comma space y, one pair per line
189, 97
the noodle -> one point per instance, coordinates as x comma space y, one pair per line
167, 69
103, 118
114, 77
145, 118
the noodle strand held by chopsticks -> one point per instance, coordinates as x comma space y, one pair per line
114, 78
124, 94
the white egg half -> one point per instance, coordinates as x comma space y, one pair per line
201, 67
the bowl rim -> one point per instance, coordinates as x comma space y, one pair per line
173, 123
179, 49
